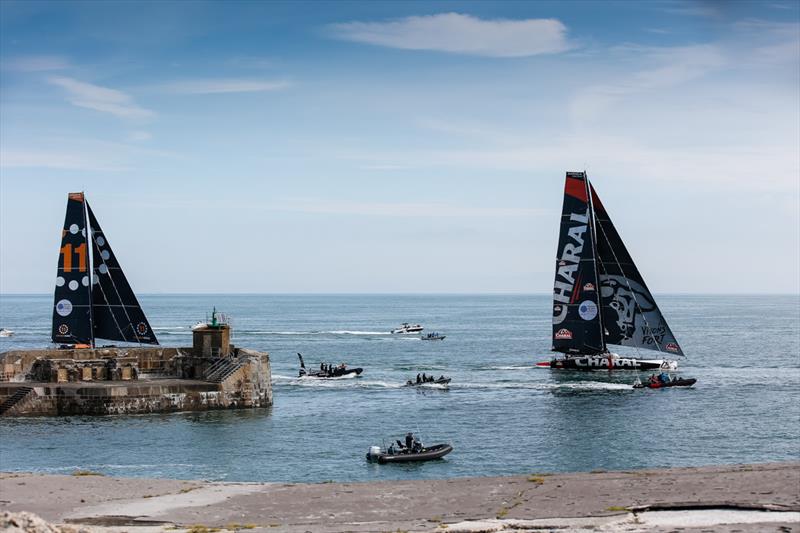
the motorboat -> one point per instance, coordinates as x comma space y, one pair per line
405, 327
658, 384
6, 332
433, 337
424, 453
441, 381
329, 372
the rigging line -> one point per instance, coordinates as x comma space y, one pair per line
114, 285
633, 293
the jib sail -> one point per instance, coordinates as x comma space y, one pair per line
117, 313
72, 311
629, 312
577, 323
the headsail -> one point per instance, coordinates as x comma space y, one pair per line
72, 312
577, 323
117, 313
629, 311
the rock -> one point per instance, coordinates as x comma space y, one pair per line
24, 522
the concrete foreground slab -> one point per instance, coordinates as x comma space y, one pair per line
720, 498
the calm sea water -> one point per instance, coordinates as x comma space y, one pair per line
502, 415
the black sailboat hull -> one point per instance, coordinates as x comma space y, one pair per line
599, 362
427, 454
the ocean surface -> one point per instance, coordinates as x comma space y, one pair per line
501, 414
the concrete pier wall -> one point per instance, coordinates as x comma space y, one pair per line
71, 382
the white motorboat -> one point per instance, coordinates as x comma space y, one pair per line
6, 332
405, 327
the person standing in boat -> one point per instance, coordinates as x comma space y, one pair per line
409, 441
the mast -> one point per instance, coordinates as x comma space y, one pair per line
91, 270
593, 233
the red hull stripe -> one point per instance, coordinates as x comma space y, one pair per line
576, 188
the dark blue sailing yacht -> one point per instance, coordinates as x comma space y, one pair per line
599, 296
93, 298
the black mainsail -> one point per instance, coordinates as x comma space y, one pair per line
599, 296
117, 313
93, 299
72, 309
577, 326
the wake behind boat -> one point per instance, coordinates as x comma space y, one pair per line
327, 371
405, 327
599, 296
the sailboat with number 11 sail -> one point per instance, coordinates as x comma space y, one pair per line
93, 298
599, 296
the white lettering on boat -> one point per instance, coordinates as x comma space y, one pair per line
568, 264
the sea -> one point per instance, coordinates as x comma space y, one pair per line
501, 413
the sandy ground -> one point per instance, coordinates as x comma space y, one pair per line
741, 498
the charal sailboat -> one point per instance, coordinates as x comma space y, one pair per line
93, 299
599, 296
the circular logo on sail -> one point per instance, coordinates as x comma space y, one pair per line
64, 307
141, 328
63, 329
587, 310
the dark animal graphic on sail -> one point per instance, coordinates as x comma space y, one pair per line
599, 297
93, 298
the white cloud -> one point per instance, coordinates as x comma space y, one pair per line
464, 34
667, 67
101, 99
36, 63
138, 136
220, 86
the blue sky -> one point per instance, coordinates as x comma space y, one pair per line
400, 146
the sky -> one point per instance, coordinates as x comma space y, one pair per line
400, 147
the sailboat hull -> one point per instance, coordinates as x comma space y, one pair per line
599, 362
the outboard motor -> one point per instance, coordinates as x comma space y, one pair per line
373, 453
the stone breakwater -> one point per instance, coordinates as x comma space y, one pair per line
107, 381
744, 498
